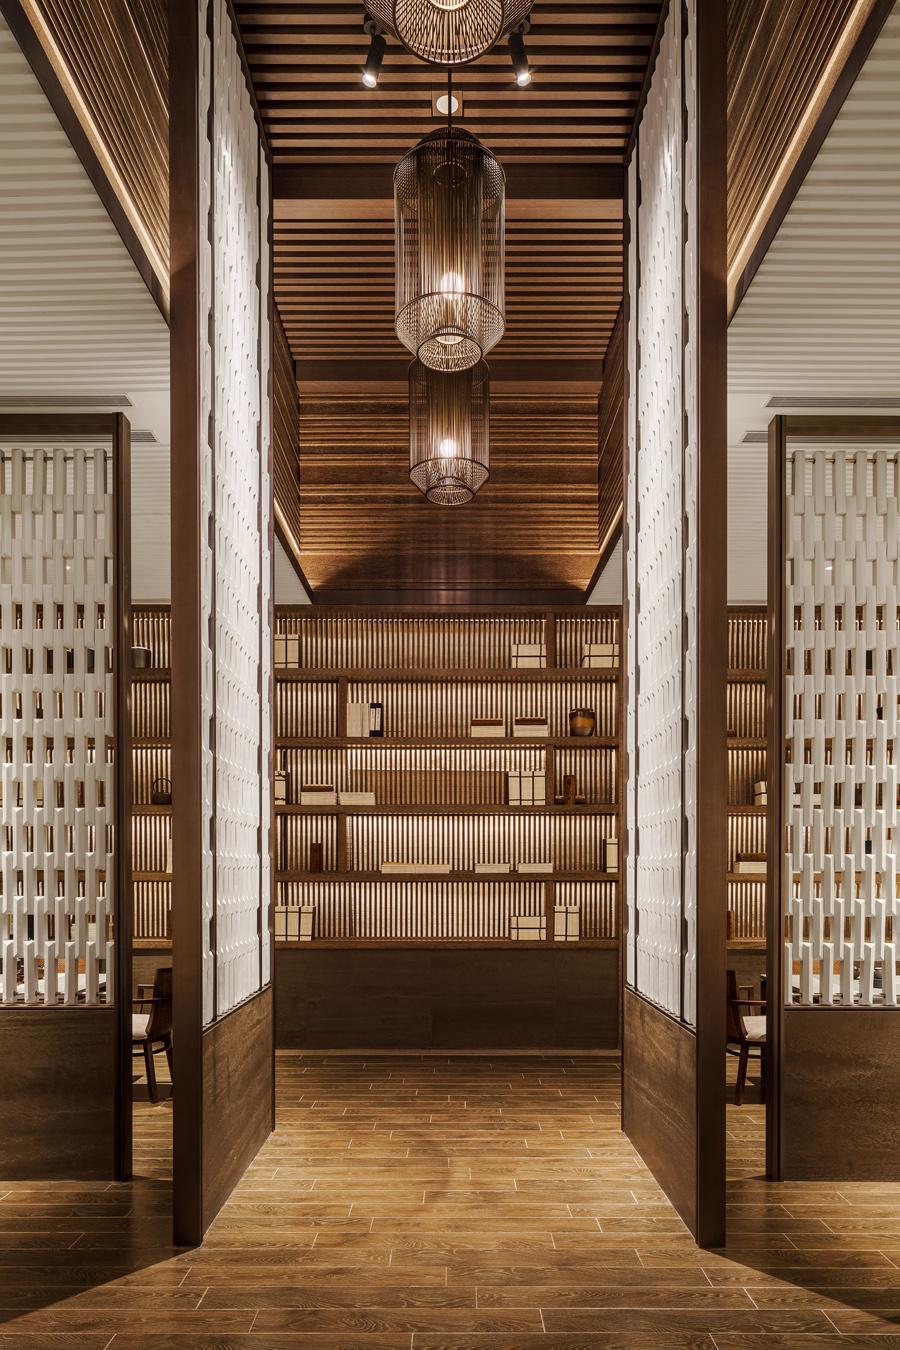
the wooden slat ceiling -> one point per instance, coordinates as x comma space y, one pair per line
335, 288
535, 524
588, 61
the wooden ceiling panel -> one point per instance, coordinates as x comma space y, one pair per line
588, 61
334, 143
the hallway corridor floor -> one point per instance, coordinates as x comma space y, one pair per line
460, 1202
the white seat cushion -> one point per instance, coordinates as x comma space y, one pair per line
139, 1022
755, 1028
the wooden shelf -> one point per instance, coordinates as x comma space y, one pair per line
504, 877
154, 673
150, 742
758, 877
461, 675
143, 944
747, 677
453, 944
151, 876
139, 809
447, 742
432, 809
747, 743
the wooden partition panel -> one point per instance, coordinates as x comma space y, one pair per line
675, 620
65, 792
834, 821
221, 614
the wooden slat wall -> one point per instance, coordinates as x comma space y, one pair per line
534, 524
115, 53
611, 431
777, 53
286, 430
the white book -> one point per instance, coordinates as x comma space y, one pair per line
529, 662
356, 798
540, 789
280, 654
566, 923
514, 788
415, 869
493, 869
530, 730
280, 924
750, 868
527, 928
529, 649
487, 730
534, 868
316, 798
527, 793
357, 719
306, 923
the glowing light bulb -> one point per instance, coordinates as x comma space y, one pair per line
370, 79
451, 283
523, 78
447, 448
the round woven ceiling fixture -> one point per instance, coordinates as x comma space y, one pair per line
449, 432
449, 32
450, 249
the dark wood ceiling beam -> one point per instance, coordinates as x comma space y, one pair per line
351, 181
395, 368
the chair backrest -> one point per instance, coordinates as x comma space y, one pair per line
734, 1026
160, 1023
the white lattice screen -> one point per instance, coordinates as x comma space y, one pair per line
842, 645
235, 523
58, 719
661, 532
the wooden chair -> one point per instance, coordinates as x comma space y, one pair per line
744, 1033
152, 1031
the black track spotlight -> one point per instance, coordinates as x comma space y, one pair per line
519, 55
372, 69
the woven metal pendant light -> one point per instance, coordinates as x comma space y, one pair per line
450, 246
449, 432
449, 32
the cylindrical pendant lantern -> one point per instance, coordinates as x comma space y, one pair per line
449, 32
449, 432
449, 217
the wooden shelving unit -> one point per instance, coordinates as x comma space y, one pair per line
310, 710
440, 794
747, 764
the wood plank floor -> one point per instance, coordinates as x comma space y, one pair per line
434, 1202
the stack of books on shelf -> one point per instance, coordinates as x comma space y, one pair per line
600, 655
356, 798
287, 650
529, 655
295, 924
318, 794
484, 728
528, 928
401, 869
566, 923
750, 865
280, 788
493, 869
526, 789
534, 868
365, 719
611, 855
530, 728
761, 793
